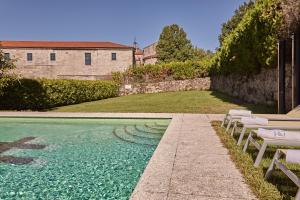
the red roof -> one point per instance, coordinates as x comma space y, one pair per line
61, 44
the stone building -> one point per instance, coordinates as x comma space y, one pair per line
138, 55
68, 60
150, 56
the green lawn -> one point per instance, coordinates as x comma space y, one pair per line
169, 102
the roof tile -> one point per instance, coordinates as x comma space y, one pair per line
61, 44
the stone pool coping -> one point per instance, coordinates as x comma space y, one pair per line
188, 163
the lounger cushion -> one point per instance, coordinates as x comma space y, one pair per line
255, 121
278, 134
235, 112
293, 156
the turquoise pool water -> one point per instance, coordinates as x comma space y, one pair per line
81, 159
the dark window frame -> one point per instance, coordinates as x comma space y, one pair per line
29, 57
52, 56
113, 56
87, 58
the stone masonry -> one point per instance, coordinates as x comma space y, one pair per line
70, 62
258, 88
166, 86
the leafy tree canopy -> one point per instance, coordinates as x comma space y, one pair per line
200, 54
252, 45
173, 45
232, 23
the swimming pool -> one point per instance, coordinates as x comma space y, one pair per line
75, 158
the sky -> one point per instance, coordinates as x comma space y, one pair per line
118, 21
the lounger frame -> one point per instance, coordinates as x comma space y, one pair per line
254, 127
267, 141
276, 163
230, 119
234, 119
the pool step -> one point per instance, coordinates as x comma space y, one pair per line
161, 125
132, 131
145, 129
155, 127
121, 134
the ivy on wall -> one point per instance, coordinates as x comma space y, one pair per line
252, 45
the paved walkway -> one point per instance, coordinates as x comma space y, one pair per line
190, 163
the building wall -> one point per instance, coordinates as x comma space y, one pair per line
150, 56
139, 59
150, 61
70, 64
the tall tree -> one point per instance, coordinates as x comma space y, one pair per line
173, 45
5, 63
235, 20
200, 54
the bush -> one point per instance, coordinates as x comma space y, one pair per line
252, 45
40, 94
117, 77
167, 71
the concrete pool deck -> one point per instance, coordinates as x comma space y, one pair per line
189, 163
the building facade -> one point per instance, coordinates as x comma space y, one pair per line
138, 55
68, 60
150, 56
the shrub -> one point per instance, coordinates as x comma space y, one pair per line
42, 94
167, 71
252, 45
117, 77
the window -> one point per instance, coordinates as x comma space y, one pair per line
88, 59
6, 55
29, 56
52, 57
113, 56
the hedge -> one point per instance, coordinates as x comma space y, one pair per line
252, 45
23, 94
164, 72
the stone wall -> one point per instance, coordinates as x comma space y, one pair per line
70, 63
259, 88
166, 86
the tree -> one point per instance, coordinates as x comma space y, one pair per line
173, 45
232, 23
200, 54
5, 63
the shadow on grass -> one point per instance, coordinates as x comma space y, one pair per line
255, 108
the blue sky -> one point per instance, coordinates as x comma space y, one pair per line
118, 21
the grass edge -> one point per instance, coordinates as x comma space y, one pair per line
253, 176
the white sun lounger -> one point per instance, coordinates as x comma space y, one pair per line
235, 115
292, 156
271, 137
284, 125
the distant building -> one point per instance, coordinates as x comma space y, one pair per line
68, 60
150, 56
138, 54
